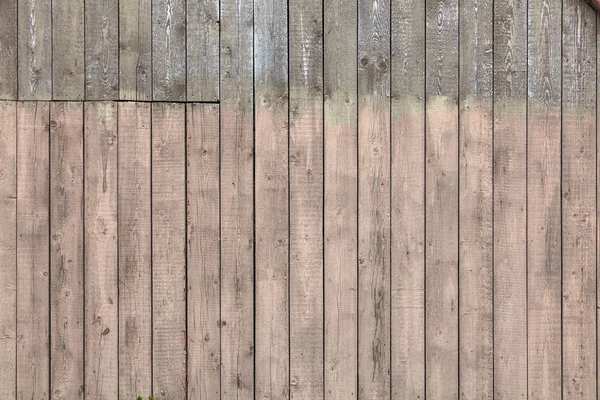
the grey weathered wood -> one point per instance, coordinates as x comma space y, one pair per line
202, 62
168, 50
68, 58
475, 202
8, 249
510, 269
102, 50
135, 49
35, 49
203, 252
306, 199
33, 263
579, 269
168, 251
101, 251
442, 190
544, 201
9, 49
66, 251
135, 250
271, 193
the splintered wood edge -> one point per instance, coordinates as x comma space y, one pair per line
595, 4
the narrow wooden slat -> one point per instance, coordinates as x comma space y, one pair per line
202, 61
168, 50
272, 208
101, 258
408, 200
135, 50
9, 49
66, 251
8, 248
68, 58
203, 252
442, 190
102, 50
168, 251
35, 49
510, 270
543, 201
340, 192
578, 201
135, 251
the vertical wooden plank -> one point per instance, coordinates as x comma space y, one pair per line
510, 185
543, 200
578, 201
272, 209
340, 191
68, 58
35, 49
135, 50
475, 201
33, 264
8, 248
9, 50
168, 50
306, 199
442, 191
202, 61
168, 251
135, 251
101, 50
101, 258
203, 252
66, 251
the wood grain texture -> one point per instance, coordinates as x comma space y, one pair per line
8, 249
101, 251
340, 132
135, 250
66, 251
68, 57
9, 50
237, 199
202, 61
135, 50
102, 50
203, 252
168, 50
35, 49
578, 202
168, 251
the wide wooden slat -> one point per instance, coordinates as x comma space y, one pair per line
203, 252
202, 60
101, 252
66, 251
68, 58
578, 202
9, 50
135, 250
135, 50
168, 251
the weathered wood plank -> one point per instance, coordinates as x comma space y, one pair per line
272, 208
340, 191
102, 50
408, 200
68, 58
101, 251
168, 251
510, 182
35, 49
135, 50
578, 201
168, 50
135, 251
543, 201
442, 191
9, 50
203, 252
66, 251
8, 249
202, 60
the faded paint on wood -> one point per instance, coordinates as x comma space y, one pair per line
135, 50
68, 42
9, 50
